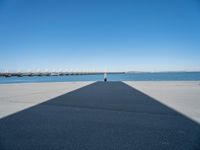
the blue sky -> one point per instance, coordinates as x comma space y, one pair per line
117, 35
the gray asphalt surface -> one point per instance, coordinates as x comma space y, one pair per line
101, 116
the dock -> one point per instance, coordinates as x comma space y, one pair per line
31, 74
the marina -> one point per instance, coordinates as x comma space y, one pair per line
31, 74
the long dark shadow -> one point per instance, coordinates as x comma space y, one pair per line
101, 116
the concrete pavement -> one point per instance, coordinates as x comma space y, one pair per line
99, 116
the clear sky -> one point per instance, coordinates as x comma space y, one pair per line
117, 35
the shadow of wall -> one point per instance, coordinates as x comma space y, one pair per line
103, 115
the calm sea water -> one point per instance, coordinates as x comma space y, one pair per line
181, 76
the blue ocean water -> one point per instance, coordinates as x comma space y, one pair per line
172, 76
